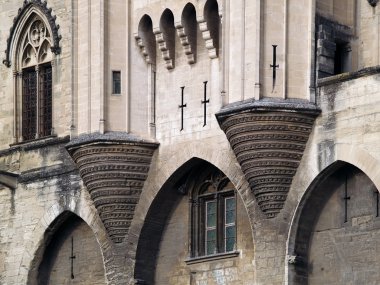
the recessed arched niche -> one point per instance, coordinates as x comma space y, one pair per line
69, 254
146, 39
334, 237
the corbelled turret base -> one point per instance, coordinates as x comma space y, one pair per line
268, 138
114, 168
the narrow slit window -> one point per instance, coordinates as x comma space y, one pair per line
116, 82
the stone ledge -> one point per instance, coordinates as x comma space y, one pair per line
348, 76
206, 258
110, 137
35, 144
267, 104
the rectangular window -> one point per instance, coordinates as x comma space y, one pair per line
116, 82
36, 102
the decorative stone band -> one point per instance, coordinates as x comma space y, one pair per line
268, 138
114, 168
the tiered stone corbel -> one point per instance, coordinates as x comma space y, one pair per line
185, 41
207, 36
164, 48
268, 138
114, 168
143, 49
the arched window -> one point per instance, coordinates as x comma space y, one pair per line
213, 216
35, 57
32, 47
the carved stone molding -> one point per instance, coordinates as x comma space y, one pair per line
268, 138
42, 6
373, 3
114, 172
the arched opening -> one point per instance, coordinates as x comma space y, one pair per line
189, 23
211, 15
176, 244
335, 229
167, 42
147, 40
69, 254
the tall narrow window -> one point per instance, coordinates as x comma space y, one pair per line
116, 82
36, 70
214, 216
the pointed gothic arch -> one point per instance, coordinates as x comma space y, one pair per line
168, 230
67, 239
29, 8
31, 50
330, 213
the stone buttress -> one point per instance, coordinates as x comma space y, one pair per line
114, 168
268, 138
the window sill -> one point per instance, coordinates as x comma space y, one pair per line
40, 142
205, 258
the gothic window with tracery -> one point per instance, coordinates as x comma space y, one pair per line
36, 72
214, 216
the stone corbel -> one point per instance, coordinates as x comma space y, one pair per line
8, 179
186, 43
164, 48
143, 49
113, 167
268, 138
206, 35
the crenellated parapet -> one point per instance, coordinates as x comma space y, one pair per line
268, 138
114, 168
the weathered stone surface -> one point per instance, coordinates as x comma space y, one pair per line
113, 168
268, 139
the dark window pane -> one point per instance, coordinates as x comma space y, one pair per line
116, 82
230, 238
29, 104
230, 210
211, 214
211, 241
45, 107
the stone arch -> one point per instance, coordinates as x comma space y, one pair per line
57, 214
146, 39
313, 202
29, 8
175, 189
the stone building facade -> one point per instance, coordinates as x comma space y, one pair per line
191, 142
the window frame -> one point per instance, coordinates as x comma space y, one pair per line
113, 91
200, 198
